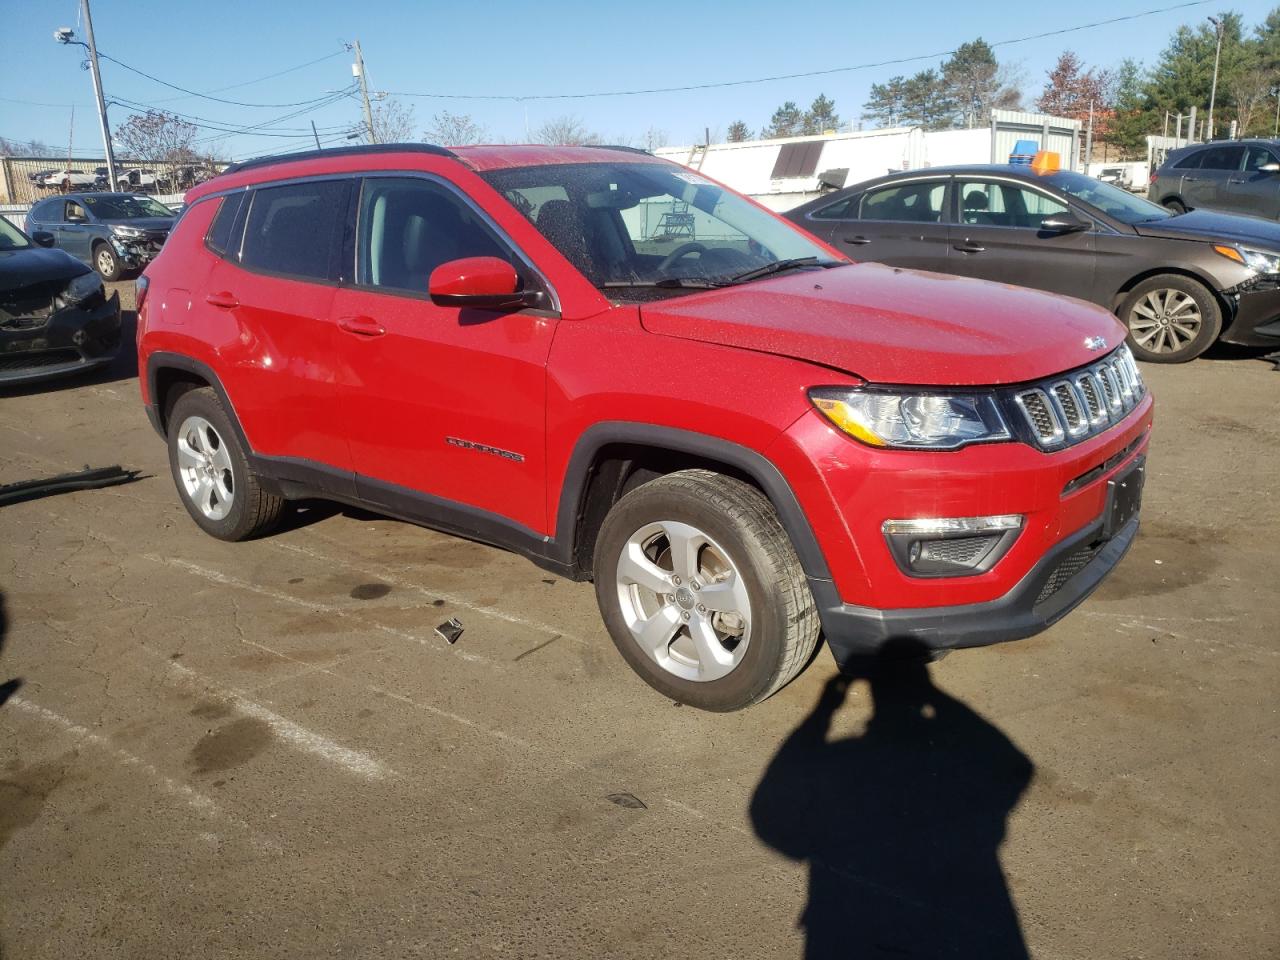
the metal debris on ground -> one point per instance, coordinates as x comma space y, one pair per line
450, 630
628, 800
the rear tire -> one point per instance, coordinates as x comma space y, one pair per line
224, 496
106, 262
1175, 206
1170, 319
702, 591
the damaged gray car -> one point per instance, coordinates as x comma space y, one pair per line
55, 315
115, 233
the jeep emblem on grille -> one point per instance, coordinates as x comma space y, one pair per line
1095, 343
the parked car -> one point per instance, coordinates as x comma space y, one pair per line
1178, 283
113, 232
1241, 176
55, 316
55, 179
744, 439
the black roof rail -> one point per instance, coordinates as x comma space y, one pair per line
616, 146
365, 148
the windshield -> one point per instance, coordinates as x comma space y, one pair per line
1114, 201
634, 226
126, 207
11, 238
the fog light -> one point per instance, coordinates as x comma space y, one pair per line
950, 546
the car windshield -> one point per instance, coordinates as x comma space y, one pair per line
1115, 202
125, 207
11, 238
650, 229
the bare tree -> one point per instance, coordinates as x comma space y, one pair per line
163, 139
565, 131
393, 122
455, 130
1250, 89
655, 138
30, 148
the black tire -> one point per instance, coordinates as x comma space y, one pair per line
1138, 326
106, 262
784, 626
1174, 205
253, 511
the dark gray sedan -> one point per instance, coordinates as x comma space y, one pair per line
114, 233
1233, 177
1178, 282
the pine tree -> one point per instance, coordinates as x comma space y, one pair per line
738, 132
787, 121
821, 116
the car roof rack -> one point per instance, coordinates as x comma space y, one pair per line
616, 146
339, 152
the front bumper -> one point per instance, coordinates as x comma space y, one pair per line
1060, 581
135, 254
1257, 313
72, 340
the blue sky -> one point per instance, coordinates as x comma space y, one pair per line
507, 48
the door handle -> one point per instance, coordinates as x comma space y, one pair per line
222, 299
1190, 179
362, 326
857, 241
968, 247
1237, 180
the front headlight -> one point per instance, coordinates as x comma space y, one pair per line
132, 233
1259, 261
83, 287
912, 419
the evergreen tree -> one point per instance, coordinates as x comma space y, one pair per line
738, 132
787, 121
821, 116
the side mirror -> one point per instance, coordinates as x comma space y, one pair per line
1064, 223
479, 282
44, 238
1269, 168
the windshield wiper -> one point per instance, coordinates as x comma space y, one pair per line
776, 267
666, 283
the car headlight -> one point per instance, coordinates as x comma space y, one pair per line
82, 288
128, 232
1259, 261
912, 419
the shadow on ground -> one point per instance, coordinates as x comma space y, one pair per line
901, 825
9, 687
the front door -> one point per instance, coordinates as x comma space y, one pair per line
900, 223
998, 237
74, 233
441, 403
1255, 191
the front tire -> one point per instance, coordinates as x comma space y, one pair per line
1170, 319
106, 262
224, 496
702, 591
1175, 206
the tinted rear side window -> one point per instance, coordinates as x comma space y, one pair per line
1191, 162
840, 210
219, 236
296, 230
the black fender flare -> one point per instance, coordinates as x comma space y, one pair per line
750, 462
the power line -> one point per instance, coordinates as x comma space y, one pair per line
229, 127
205, 96
269, 76
789, 76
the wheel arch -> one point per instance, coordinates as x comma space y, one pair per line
611, 458
1180, 271
170, 375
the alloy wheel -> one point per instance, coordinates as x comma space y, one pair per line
684, 601
1165, 321
106, 263
205, 468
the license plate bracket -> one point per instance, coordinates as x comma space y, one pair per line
1124, 497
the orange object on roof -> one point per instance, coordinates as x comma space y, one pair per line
1046, 161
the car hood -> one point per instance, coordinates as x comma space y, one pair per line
149, 224
1207, 225
889, 325
25, 268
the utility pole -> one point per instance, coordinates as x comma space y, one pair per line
1088, 141
1217, 57
358, 69
97, 90
314, 134
1277, 130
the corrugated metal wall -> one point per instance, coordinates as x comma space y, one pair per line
1057, 134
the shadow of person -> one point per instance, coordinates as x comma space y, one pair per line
901, 825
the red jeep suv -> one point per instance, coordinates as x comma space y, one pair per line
631, 374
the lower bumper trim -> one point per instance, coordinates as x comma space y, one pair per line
1062, 579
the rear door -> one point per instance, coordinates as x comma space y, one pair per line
1209, 187
267, 306
998, 237
1254, 191
900, 223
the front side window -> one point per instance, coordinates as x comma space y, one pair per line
653, 225
1256, 158
1222, 158
846, 209
75, 212
985, 203
296, 229
408, 227
906, 203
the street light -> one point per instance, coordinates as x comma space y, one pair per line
65, 35
1217, 56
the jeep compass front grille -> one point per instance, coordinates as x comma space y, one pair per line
1065, 410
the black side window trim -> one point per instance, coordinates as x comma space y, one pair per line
945, 215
